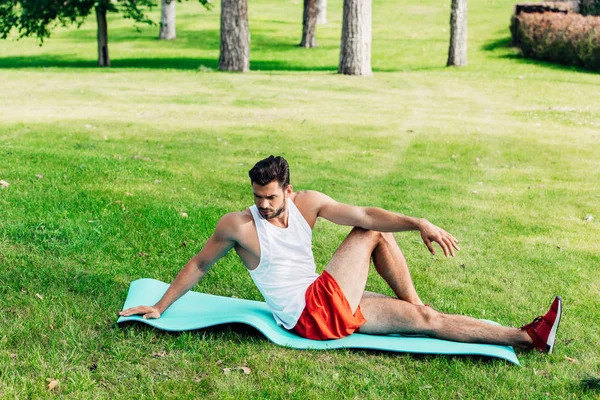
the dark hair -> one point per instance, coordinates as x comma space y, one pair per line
271, 169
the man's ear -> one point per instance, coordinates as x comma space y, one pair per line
289, 190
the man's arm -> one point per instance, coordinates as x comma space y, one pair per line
215, 248
381, 220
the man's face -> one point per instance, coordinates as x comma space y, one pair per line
270, 199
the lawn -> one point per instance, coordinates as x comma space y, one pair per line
101, 163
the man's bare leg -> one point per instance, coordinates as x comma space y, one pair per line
388, 315
355, 253
391, 265
349, 266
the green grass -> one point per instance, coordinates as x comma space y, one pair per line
503, 154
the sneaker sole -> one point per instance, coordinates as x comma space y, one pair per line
552, 335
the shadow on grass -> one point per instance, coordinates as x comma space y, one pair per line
246, 333
590, 384
240, 331
471, 358
290, 57
197, 40
550, 65
502, 43
177, 63
506, 44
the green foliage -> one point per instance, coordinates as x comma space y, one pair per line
589, 7
569, 39
206, 3
38, 18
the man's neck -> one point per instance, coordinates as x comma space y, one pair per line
282, 220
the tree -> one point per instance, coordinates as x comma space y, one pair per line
103, 58
37, 18
321, 12
235, 36
355, 48
457, 53
309, 24
167, 20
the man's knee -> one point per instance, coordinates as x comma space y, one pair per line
388, 236
359, 231
429, 319
367, 233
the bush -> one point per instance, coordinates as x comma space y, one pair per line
570, 39
539, 7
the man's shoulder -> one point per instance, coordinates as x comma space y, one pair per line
308, 195
310, 198
237, 218
234, 223
310, 203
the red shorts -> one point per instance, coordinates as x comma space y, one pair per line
327, 314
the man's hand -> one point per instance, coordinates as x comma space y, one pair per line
145, 311
431, 233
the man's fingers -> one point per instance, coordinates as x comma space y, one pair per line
446, 240
429, 246
453, 242
152, 314
450, 247
443, 246
139, 310
129, 311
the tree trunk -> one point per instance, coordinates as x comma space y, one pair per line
103, 59
309, 24
235, 36
355, 49
321, 12
457, 53
167, 20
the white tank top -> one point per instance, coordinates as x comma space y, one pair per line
287, 266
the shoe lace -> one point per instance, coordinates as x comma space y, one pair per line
535, 321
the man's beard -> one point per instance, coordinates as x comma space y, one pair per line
275, 213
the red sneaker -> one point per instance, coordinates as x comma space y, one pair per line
543, 329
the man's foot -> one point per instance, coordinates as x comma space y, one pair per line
543, 329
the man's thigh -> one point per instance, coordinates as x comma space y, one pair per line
387, 315
349, 265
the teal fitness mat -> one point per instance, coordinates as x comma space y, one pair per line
198, 310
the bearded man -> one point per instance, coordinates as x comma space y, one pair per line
273, 238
